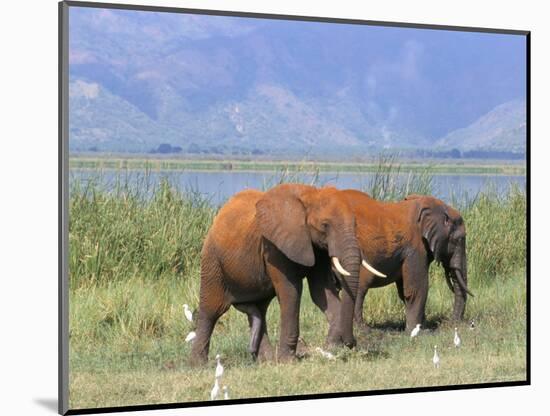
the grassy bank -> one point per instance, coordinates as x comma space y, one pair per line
134, 260
166, 164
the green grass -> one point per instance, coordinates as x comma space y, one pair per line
134, 261
166, 164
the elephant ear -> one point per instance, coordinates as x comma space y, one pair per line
434, 222
281, 217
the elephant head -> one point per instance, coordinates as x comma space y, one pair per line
297, 218
444, 234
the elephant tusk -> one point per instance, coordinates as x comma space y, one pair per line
339, 267
372, 269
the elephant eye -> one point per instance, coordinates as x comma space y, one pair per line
324, 226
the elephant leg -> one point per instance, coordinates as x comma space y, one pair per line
256, 322
289, 294
415, 290
325, 296
265, 350
365, 278
399, 286
207, 318
288, 288
212, 306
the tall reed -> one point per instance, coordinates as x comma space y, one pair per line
391, 183
137, 228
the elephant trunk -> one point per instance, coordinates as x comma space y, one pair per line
349, 255
457, 278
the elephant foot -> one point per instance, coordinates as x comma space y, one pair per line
285, 355
197, 360
457, 318
338, 341
265, 352
350, 343
334, 339
334, 342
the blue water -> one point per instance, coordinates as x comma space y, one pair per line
219, 186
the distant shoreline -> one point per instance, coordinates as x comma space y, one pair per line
173, 164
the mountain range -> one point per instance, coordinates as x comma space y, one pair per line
502, 129
226, 84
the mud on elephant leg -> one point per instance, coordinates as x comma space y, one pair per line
212, 305
415, 304
325, 296
411, 316
289, 292
265, 350
290, 315
415, 291
207, 318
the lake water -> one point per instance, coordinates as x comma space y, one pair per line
219, 186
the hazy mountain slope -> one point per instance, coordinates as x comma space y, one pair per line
254, 83
98, 119
501, 129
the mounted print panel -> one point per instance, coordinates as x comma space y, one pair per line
261, 207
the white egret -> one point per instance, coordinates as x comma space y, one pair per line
187, 312
225, 393
456, 339
435, 359
325, 354
219, 367
415, 331
190, 336
215, 390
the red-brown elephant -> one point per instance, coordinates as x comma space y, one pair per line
401, 239
261, 245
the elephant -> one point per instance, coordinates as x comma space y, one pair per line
401, 239
261, 245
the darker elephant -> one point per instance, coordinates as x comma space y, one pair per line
401, 239
261, 245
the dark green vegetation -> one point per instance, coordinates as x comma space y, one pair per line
134, 261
